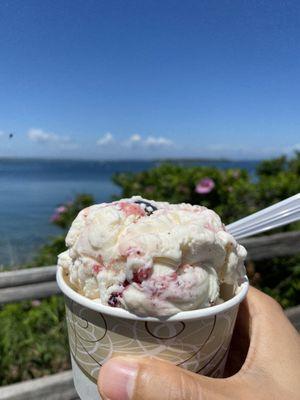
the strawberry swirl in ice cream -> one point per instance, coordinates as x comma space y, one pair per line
151, 258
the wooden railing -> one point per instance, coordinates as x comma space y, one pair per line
38, 283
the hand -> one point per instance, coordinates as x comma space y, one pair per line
270, 369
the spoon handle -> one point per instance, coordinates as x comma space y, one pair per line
279, 214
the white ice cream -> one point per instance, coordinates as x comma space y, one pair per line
151, 261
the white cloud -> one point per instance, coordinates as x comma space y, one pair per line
150, 141
292, 149
135, 141
105, 139
41, 136
153, 141
136, 138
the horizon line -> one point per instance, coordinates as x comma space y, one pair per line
166, 159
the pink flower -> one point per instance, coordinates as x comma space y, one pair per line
55, 217
35, 303
236, 174
61, 209
205, 186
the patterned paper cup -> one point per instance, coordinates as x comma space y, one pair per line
196, 340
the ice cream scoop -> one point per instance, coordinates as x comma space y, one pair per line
151, 258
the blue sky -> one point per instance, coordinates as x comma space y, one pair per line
145, 79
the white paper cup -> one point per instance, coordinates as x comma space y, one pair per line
197, 340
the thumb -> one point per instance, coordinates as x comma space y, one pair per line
128, 378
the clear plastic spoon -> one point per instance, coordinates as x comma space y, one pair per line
279, 214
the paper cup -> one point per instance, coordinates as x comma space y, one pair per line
197, 340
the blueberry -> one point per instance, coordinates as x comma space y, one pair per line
148, 207
113, 300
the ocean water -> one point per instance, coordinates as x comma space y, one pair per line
31, 189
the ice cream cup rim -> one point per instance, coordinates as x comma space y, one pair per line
181, 316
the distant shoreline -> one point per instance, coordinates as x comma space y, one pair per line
150, 160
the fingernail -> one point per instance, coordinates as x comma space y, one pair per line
117, 378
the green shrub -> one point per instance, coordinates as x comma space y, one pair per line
65, 213
233, 195
62, 217
33, 336
279, 277
33, 339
